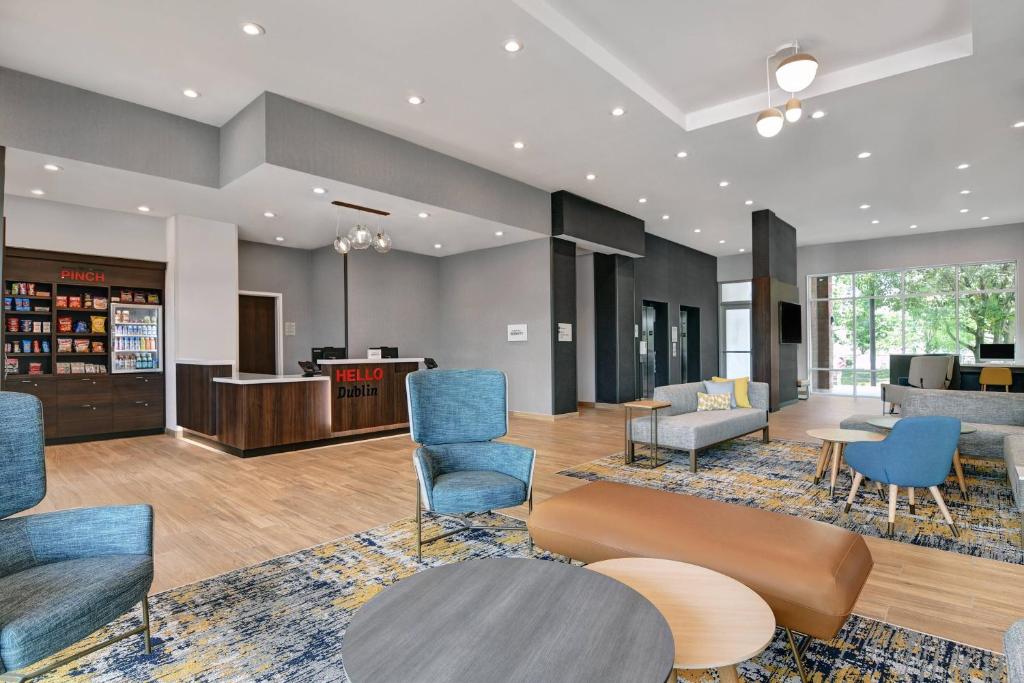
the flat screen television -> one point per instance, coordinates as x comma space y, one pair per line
789, 323
996, 352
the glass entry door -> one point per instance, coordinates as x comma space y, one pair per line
736, 334
648, 355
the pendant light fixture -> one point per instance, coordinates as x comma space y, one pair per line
797, 71
794, 110
341, 244
360, 237
769, 121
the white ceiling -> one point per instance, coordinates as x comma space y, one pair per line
362, 60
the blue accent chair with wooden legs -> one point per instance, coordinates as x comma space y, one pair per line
917, 454
454, 416
63, 574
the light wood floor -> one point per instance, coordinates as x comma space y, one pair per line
215, 512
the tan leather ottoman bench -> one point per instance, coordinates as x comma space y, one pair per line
810, 573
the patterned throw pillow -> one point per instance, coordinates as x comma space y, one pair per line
713, 401
727, 387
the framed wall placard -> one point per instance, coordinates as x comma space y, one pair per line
517, 332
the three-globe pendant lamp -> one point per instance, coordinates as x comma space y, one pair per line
794, 73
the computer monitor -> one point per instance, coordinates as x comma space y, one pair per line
328, 353
996, 352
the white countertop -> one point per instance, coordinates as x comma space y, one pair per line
254, 378
365, 361
977, 366
196, 361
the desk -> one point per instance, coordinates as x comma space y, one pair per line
970, 375
368, 395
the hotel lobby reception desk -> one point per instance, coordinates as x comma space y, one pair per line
368, 395
257, 412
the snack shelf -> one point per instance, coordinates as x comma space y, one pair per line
91, 311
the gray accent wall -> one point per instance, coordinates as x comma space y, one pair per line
48, 117
267, 268
585, 367
481, 293
243, 141
328, 297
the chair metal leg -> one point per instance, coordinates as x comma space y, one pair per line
798, 651
857, 479
893, 494
529, 508
146, 633
419, 524
937, 495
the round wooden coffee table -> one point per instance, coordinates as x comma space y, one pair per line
717, 622
508, 620
833, 440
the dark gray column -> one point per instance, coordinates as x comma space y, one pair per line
563, 311
615, 328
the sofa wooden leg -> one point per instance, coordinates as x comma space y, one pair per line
764, 435
693, 459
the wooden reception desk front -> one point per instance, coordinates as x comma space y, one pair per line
249, 414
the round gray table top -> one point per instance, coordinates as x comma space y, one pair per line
508, 620
889, 421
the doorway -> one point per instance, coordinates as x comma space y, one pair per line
689, 344
259, 333
653, 347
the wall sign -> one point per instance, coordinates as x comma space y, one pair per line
565, 332
517, 332
675, 334
358, 382
69, 274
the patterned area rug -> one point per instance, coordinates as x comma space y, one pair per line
779, 476
284, 619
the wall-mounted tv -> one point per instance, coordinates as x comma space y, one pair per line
789, 323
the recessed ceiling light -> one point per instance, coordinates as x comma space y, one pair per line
721, 241
742, 250
964, 210
865, 206
499, 233
962, 167
190, 93
681, 154
818, 114
269, 214
985, 218
518, 144
864, 155
642, 200
618, 111
279, 238
53, 168
913, 226
319, 190
37, 192
874, 222
438, 246
749, 202
1019, 124
965, 191
144, 208
252, 29
591, 176
415, 99
513, 45
724, 183
696, 229
423, 214
665, 217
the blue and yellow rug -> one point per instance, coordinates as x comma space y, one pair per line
284, 620
779, 476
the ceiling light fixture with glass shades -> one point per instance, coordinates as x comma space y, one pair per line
795, 72
360, 237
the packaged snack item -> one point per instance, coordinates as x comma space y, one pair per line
7, 347
126, 296
74, 302
140, 298
23, 288
97, 347
26, 346
40, 309
99, 303
46, 346
64, 323
63, 368
152, 298
45, 293
12, 324
37, 326
87, 300
35, 368
14, 288
26, 325
11, 366
81, 346
8, 303
46, 327
30, 289
63, 345
62, 301
99, 323
36, 348
78, 368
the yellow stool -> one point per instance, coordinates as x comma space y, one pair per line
997, 377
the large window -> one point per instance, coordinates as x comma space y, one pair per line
858, 319
735, 329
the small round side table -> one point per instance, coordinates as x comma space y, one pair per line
833, 440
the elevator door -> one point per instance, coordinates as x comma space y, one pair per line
648, 355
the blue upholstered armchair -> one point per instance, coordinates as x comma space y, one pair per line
455, 415
63, 574
917, 454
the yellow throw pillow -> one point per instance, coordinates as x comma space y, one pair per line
713, 401
741, 388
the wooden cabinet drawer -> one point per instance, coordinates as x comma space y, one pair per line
80, 416
139, 413
138, 386
45, 390
86, 388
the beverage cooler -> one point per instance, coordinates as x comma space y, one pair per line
137, 343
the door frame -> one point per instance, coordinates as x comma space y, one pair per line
278, 326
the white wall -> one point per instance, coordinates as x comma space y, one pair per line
201, 296
585, 359
54, 226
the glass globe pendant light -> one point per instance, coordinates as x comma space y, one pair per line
382, 243
360, 237
769, 121
342, 245
794, 110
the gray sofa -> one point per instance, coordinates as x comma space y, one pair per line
683, 428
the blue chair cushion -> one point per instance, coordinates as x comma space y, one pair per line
476, 491
48, 607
